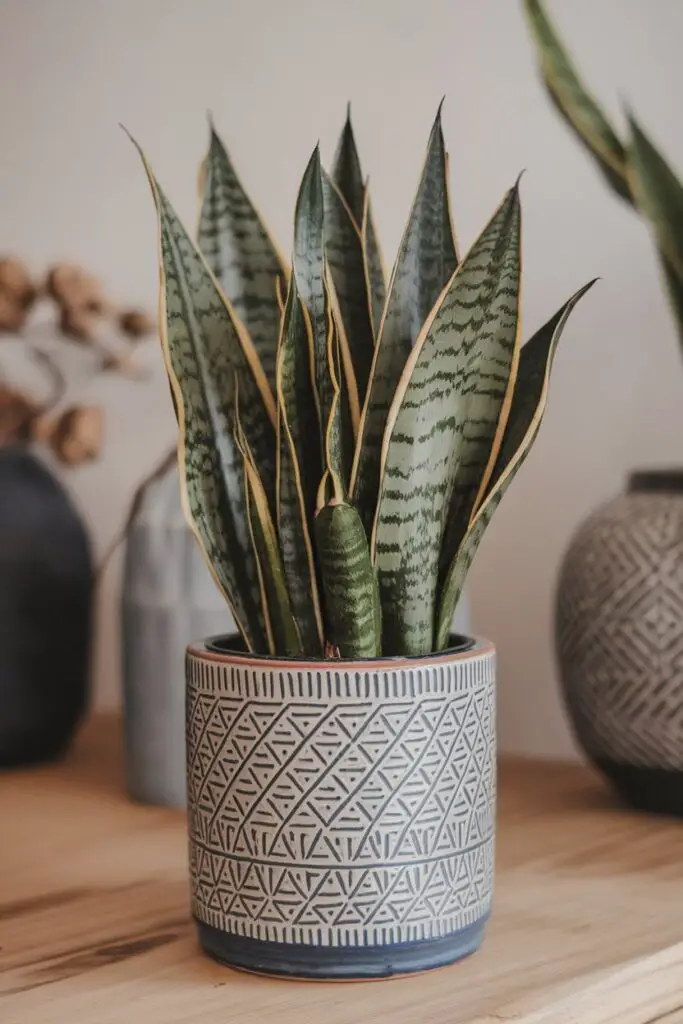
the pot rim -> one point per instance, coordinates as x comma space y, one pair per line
665, 480
462, 647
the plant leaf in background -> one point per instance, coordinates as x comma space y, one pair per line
573, 101
456, 379
528, 405
658, 192
352, 612
281, 629
348, 177
298, 469
206, 349
344, 253
426, 260
243, 257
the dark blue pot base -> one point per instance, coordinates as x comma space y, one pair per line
338, 963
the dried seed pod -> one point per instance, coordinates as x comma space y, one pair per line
16, 414
136, 323
77, 324
77, 436
12, 314
16, 282
73, 288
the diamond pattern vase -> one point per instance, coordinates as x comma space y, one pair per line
619, 631
341, 814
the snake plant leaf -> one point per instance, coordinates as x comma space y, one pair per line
446, 415
206, 350
674, 288
374, 265
426, 260
298, 469
241, 253
344, 252
526, 413
348, 177
574, 102
658, 193
352, 612
346, 170
281, 628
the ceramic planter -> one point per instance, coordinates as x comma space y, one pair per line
341, 814
46, 585
168, 597
620, 640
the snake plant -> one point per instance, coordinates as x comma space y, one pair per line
633, 168
344, 441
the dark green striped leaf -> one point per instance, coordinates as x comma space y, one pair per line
206, 350
345, 259
573, 101
346, 170
374, 266
281, 629
241, 253
526, 413
348, 177
658, 193
309, 268
426, 260
298, 470
349, 584
442, 419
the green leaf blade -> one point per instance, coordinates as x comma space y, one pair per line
349, 585
658, 193
575, 103
205, 354
426, 260
241, 253
443, 417
298, 471
526, 413
374, 266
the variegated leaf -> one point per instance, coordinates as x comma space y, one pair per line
349, 584
346, 170
298, 470
344, 253
658, 193
206, 349
374, 265
281, 628
526, 413
348, 177
573, 101
309, 268
426, 260
463, 356
241, 253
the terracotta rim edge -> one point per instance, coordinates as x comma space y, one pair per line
481, 647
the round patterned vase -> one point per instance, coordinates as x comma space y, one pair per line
341, 814
619, 632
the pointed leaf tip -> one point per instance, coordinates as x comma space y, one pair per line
439, 109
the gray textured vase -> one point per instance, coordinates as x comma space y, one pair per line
341, 816
620, 640
168, 599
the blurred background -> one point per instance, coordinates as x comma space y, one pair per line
276, 77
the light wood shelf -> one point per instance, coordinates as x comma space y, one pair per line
94, 924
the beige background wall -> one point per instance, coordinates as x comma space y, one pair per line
276, 77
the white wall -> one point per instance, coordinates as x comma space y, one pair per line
276, 77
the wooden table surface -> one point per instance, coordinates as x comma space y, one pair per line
94, 925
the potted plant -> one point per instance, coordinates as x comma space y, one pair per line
46, 570
342, 447
618, 631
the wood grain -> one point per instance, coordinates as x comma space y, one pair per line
94, 927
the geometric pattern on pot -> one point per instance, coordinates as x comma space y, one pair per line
351, 805
619, 630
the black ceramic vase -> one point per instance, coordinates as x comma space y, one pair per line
46, 583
